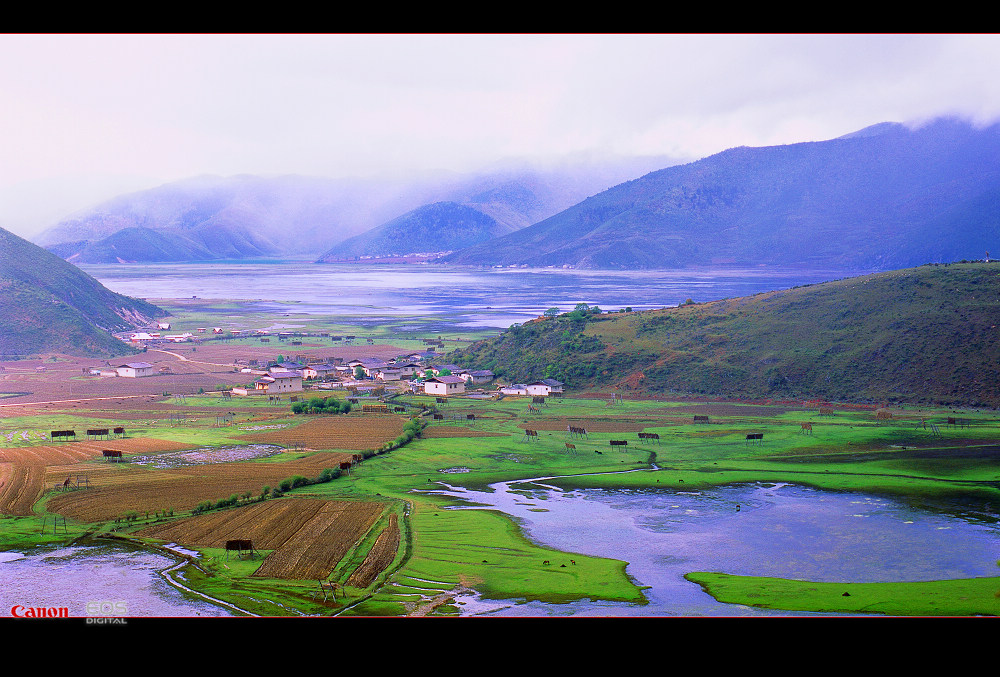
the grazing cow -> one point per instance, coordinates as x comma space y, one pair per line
807, 428
571, 447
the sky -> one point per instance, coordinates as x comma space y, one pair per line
89, 117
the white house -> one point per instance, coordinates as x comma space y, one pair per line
134, 369
544, 387
141, 336
277, 382
318, 370
444, 385
515, 389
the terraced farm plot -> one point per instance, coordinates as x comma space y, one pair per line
117, 490
26, 471
308, 537
356, 432
379, 557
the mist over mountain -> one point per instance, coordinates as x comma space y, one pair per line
241, 217
437, 227
881, 198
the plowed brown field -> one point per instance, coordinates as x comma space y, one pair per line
120, 488
30, 469
357, 432
380, 556
308, 537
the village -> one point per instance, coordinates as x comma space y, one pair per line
418, 372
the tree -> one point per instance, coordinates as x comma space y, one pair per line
551, 312
359, 372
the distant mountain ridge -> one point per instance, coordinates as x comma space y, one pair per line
881, 198
211, 218
437, 227
49, 305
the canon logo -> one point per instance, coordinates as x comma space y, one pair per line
20, 611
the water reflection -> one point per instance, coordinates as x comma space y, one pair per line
76, 575
780, 530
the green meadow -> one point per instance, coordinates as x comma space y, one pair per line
443, 551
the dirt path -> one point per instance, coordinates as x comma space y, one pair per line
188, 359
80, 399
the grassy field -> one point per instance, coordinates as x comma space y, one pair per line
409, 552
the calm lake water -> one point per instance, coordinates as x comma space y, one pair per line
780, 530
74, 576
461, 296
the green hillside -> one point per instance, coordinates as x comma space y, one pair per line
48, 305
922, 335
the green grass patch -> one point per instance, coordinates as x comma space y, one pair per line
965, 597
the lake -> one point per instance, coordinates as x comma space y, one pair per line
459, 296
778, 530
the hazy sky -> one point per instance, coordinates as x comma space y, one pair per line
87, 117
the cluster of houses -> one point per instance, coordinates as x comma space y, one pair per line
415, 370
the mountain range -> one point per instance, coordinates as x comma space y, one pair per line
250, 217
885, 197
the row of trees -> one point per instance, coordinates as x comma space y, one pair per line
322, 405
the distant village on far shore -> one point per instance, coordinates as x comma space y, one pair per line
415, 373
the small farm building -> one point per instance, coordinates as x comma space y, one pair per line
134, 369
444, 385
544, 387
